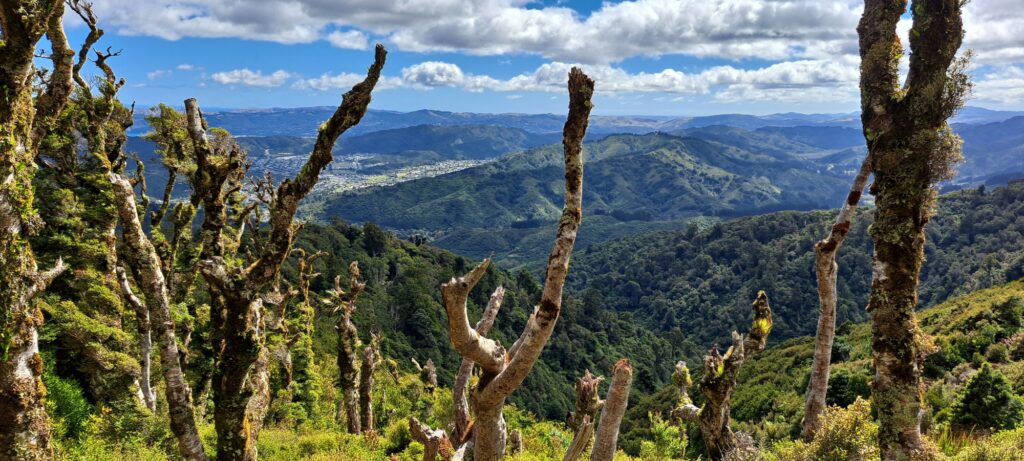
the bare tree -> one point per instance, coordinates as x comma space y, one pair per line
912, 148
827, 270
435, 441
718, 382
483, 326
504, 371
614, 409
348, 343
581, 440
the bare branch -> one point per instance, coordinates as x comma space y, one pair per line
435, 441
581, 441
542, 321
486, 352
462, 423
353, 106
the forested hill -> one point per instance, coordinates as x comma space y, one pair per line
701, 282
403, 302
659, 297
655, 176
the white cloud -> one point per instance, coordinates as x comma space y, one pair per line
1005, 85
185, 67
343, 81
790, 81
349, 39
160, 73
249, 78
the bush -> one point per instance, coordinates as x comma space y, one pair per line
987, 401
1003, 446
845, 387
668, 441
847, 434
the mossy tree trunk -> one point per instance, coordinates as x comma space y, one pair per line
911, 148
348, 344
239, 332
24, 425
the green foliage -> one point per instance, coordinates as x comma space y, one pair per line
847, 434
1007, 445
67, 405
667, 441
987, 401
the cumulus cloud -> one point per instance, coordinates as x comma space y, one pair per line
769, 29
349, 39
248, 77
1005, 85
185, 67
803, 80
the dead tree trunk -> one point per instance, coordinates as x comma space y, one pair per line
588, 401
141, 255
912, 148
348, 343
718, 382
504, 371
827, 269
614, 409
371, 358
145, 339
435, 442
483, 326
240, 334
24, 425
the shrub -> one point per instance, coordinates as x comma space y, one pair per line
847, 434
845, 387
987, 401
667, 441
1006, 445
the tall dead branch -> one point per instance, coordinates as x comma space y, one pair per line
827, 270
483, 326
504, 371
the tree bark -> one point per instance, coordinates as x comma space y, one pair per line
581, 440
348, 344
911, 148
588, 401
142, 256
503, 372
24, 425
718, 382
614, 408
145, 339
435, 442
371, 358
827, 270
483, 326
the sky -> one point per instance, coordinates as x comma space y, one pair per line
648, 57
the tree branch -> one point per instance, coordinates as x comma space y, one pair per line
462, 423
467, 342
353, 106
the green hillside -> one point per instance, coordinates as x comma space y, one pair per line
649, 178
700, 280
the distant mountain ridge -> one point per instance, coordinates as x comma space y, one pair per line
303, 121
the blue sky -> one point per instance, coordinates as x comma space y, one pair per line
656, 57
